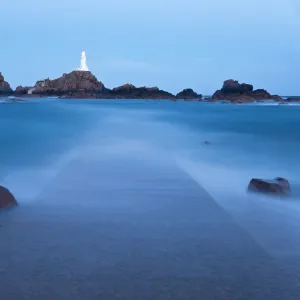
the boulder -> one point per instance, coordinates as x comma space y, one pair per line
5, 88
7, 199
188, 94
278, 186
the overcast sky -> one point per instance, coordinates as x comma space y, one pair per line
173, 44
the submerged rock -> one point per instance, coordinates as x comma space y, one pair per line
7, 199
278, 186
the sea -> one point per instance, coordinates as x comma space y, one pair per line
147, 199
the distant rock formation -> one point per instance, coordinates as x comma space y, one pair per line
188, 94
83, 84
76, 83
5, 88
20, 90
7, 199
129, 91
125, 87
292, 99
241, 92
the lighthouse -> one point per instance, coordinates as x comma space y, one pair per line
83, 64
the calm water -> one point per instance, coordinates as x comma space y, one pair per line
38, 138
50, 147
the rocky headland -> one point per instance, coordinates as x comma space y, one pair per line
83, 84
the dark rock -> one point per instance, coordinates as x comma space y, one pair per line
5, 88
292, 99
124, 88
239, 93
7, 199
79, 84
233, 86
129, 91
20, 90
76, 83
188, 94
279, 186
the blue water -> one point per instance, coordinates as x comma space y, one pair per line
255, 140
129, 160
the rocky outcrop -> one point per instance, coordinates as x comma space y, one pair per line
125, 87
76, 83
278, 187
5, 88
292, 99
129, 91
20, 90
242, 92
188, 94
7, 199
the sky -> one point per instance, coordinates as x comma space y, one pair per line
172, 44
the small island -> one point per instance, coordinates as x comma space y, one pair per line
237, 92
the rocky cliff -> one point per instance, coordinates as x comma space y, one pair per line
241, 92
5, 88
188, 94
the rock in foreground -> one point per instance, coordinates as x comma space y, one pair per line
277, 187
242, 92
7, 199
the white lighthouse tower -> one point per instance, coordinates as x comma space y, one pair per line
83, 64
